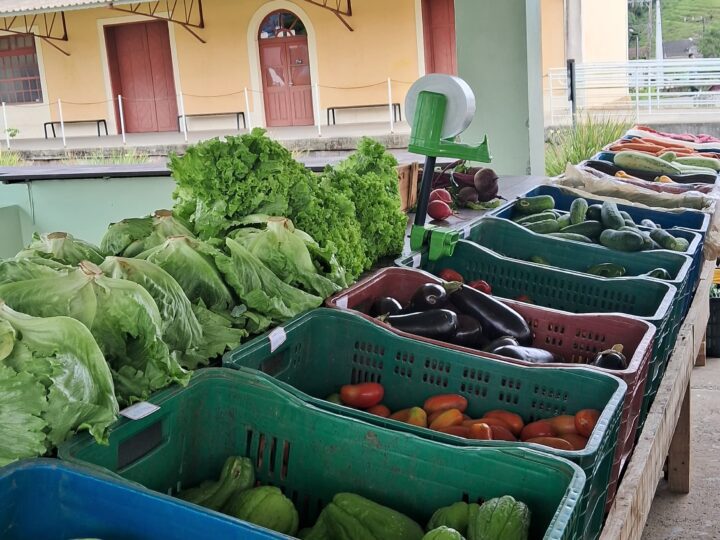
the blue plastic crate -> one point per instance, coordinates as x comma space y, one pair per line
687, 219
49, 499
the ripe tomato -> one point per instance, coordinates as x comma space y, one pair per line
481, 285
563, 424
458, 431
500, 433
514, 421
451, 275
552, 442
415, 416
444, 402
363, 395
541, 428
481, 432
585, 421
578, 442
379, 410
451, 417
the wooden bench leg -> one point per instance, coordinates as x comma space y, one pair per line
700, 360
679, 454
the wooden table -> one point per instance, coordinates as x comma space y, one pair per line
666, 434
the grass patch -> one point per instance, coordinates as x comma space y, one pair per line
10, 159
117, 156
581, 142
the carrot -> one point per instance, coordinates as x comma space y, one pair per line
636, 148
668, 144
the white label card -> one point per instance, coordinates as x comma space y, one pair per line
277, 337
342, 302
416, 260
139, 410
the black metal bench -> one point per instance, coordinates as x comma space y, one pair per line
395, 107
54, 123
238, 116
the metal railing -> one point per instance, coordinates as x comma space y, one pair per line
639, 89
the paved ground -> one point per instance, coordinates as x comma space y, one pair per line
696, 515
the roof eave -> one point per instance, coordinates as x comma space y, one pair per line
92, 5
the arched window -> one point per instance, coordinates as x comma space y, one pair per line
281, 24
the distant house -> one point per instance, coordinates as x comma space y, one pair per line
681, 48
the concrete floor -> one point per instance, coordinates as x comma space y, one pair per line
697, 514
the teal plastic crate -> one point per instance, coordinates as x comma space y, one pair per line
515, 241
312, 454
340, 348
570, 291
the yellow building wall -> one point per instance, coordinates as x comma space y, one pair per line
382, 45
605, 31
553, 35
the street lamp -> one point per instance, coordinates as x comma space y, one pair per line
636, 35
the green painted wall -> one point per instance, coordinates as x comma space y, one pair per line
11, 235
84, 208
499, 51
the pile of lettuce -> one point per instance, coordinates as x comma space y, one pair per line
351, 211
53, 381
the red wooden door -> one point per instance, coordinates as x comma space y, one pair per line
439, 36
287, 89
141, 71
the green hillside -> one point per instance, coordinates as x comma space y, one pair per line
680, 19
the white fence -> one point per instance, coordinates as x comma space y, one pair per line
645, 90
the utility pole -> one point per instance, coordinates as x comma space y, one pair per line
650, 27
659, 49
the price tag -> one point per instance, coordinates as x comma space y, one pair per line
139, 410
277, 337
416, 260
342, 302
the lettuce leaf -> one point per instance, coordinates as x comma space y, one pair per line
61, 247
132, 236
53, 381
259, 289
30, 268
192, 264
122, 317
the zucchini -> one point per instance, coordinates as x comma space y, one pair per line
650, 224
668, 156
649, 243
710, 163
591, 229
681, 244
664, 238
639, 161
544, 227
625, 215
532, 218
630, 223
564, 221
534, 205
622, 240
659, 273
593, 212
610, 216
571, 236
578, 211
607, 270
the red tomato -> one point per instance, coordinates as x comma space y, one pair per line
563, 424
458, 431
379, 410
578, 442
500, 433
524, 298
481, 431
443, 402
451, 417
415, 416
585, 421
552, 442
541, 428
363, 395
481, 285
514, 421
451, 275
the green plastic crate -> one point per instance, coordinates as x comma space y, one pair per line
339, 348
651, 300
517, 242
313, 454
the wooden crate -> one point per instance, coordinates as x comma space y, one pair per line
407, 185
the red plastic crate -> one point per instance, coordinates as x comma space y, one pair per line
578, 338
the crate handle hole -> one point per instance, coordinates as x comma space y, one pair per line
285, 461
140, 445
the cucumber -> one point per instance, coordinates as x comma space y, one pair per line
564, 221
534, 205
591, 229
664, 238
668, 156
710, 163
571, 236
607, 270
630, 223
622, 240
537, 259
649, 224
535, 217
544, 227
639, 161
649, 243
593, 212
610, 216
625, 215
659, 273
578, 211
